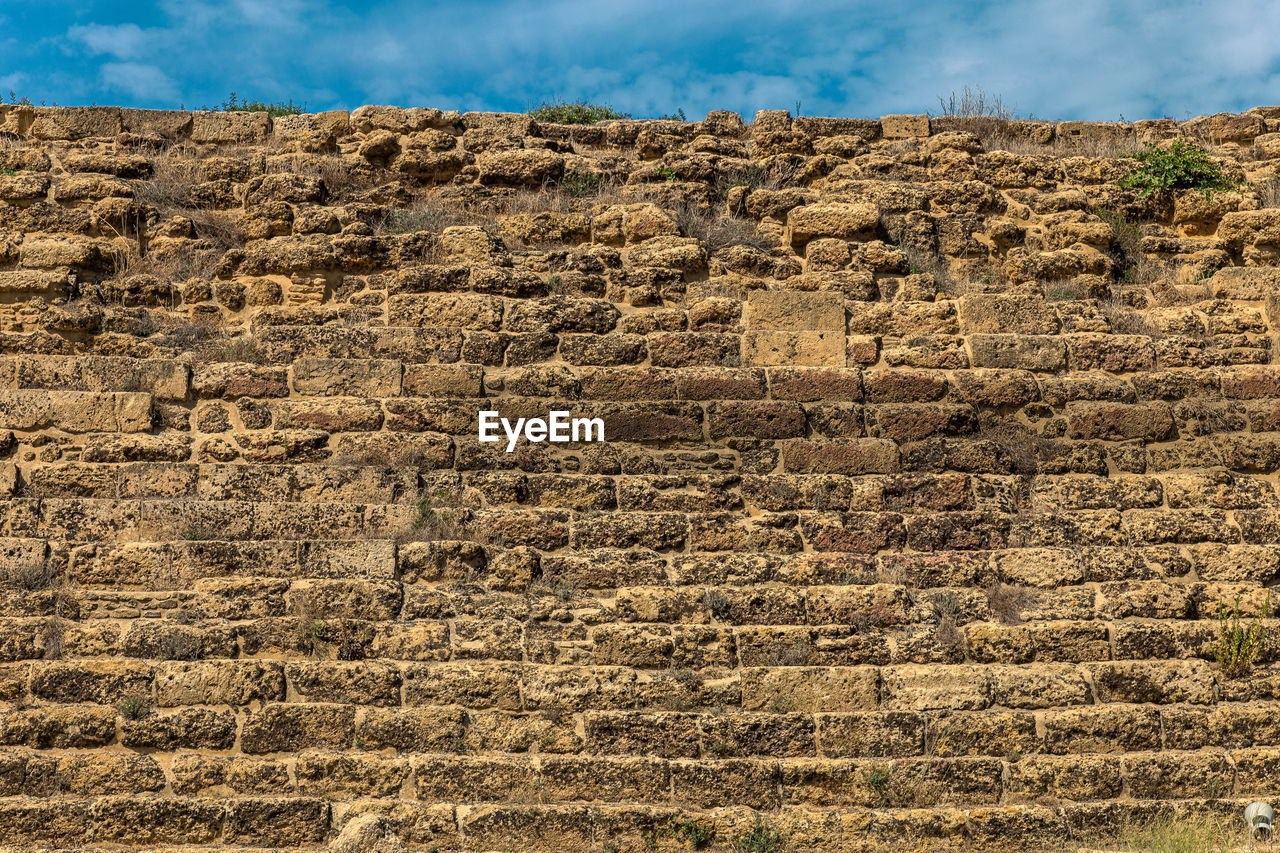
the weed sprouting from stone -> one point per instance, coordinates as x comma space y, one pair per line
1239, 646
133, 707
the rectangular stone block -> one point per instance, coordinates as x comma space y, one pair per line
218, 682
808, 348
663, 735
230, 128
289, 727
904, 126
1110, 728
933, 688
152, 821
450, 310
862, 456
1075, 778
795, 311
66, 123
871, 734
444, 380
720, 384
1019, 352
610, 780
731, 782
329, 377
277, 821
1007, 314
350, 774
411, 729
557, 827
810, 689
1178, 775
989, 732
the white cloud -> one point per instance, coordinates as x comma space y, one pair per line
1086, 59
147, 83
122, 41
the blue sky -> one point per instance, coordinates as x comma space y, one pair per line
1080, 59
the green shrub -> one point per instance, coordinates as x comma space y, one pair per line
574, 112
753, 177
877, 779
1126, 249
279, 108
133, 707
1183, 166
759, 839
678, 115
698, 835
1238, 647
433, 523
581, 184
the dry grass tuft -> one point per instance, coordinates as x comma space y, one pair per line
343, 177
174, 172
169, 190
429, 214
1008, 602
717, 231
975, 103
1180, 834
1024, 448
1127, 320
1268, 191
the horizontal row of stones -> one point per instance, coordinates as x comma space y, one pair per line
631, 244
870, 434
935, 171
235, 128
305, 376
1075, 624
293, 822
779, 690
584, 329
602, 365
470, 640
550, 778
855, 532
181, 564
706, 498
284, 728
358, 456
653, 651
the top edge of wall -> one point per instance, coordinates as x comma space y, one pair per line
76, 123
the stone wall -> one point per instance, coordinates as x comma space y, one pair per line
932, 455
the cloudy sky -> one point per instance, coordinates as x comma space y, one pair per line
1087, 59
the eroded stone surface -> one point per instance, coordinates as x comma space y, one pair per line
920, 499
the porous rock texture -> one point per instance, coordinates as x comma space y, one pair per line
931, 455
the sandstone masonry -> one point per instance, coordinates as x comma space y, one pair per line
932, 455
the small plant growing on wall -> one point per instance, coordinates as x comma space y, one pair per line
575, 112
133, 707
696, 835
1183, 166
1238, 646
760, 838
